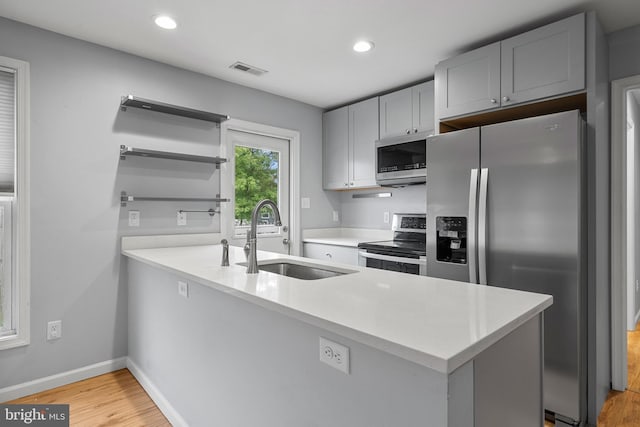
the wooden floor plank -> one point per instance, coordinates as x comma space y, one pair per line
113, 399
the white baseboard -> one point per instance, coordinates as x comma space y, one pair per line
158, 398
64, 378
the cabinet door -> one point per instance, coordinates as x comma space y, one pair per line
363, 132
469, 82
396, 113
340, 254
423, 114
335, 148
547, 61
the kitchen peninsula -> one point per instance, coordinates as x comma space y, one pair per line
239, 350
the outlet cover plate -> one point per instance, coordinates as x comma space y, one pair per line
334, 354
54, 330
181, 218
134, 218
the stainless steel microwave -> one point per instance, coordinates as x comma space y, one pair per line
402, 160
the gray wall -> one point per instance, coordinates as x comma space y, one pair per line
76, 178
369, 213
623, 53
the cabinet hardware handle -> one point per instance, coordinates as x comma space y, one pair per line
493, 100
351, 184
346, 184
285, 241
408, 131
329, 255
415, 130
505, 99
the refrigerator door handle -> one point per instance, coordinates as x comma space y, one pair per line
482, 226
471, 247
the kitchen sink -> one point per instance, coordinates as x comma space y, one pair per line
303, 271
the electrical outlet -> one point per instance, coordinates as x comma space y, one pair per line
134, 218
385, 217
305, 202
54, 330
336, 216
182, 218
335, 355
183, 289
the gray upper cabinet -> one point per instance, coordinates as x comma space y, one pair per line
335, 130
542, 63
363, 132
408, 110
469, 82
349, 146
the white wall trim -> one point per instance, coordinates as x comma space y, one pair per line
63, 378
619, 89
158, 398
295, 232
637, 318
22, 219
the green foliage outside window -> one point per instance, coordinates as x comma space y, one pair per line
256, 179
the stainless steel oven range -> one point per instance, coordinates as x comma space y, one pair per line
407, 251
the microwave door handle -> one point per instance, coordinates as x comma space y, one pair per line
420, 261
472, 254
482, 226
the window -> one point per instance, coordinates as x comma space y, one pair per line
14, 251
256, 179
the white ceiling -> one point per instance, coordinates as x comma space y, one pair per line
306, 44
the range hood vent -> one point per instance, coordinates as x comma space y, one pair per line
241, 66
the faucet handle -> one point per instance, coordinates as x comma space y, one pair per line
225, 253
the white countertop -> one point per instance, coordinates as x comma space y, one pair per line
350, 237
440, 324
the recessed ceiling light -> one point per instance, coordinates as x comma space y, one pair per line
363, 46
166, 22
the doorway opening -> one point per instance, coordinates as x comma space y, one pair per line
625, 243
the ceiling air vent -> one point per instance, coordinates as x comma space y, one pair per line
248, 68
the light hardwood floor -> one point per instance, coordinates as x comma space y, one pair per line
113, 399
117, 399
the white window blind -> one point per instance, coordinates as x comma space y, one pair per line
7, 130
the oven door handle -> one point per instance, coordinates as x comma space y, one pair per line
417, 261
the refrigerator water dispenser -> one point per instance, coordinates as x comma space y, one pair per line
451, 235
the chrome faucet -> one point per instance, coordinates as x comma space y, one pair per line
225, 253
252, 262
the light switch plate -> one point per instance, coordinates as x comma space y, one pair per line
336, 216
306, 202
134, 218
385, 217
183, 289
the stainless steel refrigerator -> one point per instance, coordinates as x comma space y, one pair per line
506, 207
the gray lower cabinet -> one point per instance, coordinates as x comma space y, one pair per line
349, 134
407, 110
341, 254
542, 63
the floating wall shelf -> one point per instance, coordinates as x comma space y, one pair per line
176, 110
143, 152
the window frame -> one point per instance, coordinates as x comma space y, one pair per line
21, 211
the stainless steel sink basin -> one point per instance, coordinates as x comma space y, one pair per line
301, 271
